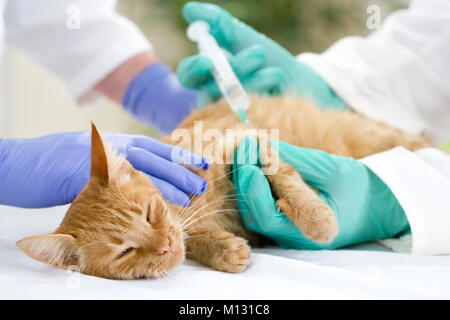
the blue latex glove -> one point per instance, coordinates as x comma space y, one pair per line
53, 169
261, 64
156, 97
365, 207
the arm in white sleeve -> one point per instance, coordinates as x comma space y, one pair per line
400, 74
421, 183
81, 57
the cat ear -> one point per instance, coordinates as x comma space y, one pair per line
157, 211
99, 162
56, 249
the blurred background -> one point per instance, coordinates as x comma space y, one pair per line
34, 102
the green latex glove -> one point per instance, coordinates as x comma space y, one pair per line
365, 207
261, 64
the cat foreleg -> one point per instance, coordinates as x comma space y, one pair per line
299, 202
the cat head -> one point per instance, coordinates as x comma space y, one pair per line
119, 226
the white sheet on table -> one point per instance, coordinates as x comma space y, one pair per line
274, 273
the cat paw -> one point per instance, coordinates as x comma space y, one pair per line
235, 255
316, 220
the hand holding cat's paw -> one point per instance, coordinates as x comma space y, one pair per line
318, 193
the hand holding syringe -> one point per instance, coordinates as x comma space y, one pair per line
227, 81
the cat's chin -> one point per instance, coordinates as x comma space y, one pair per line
173, 261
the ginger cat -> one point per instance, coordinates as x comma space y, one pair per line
120, 227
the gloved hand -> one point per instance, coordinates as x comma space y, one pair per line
261, 64
156, 97
53, 169
365, 207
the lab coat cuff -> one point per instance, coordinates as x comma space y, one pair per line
104, 63
423, 193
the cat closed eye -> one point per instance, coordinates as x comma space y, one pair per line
124, 252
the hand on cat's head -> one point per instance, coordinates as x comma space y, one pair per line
119, 226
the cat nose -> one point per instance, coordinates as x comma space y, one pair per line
165, 247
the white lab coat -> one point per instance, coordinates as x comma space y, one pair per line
45, 32
400, 74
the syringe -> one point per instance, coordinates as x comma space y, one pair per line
228, 83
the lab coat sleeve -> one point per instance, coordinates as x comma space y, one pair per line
421, 183
48, 33
400, 74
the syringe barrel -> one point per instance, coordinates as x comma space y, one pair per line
232, 91
227, 81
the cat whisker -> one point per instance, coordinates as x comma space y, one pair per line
224, 199
210, 182
206, 215
220, 177
187, 212
184, 211
220, 199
